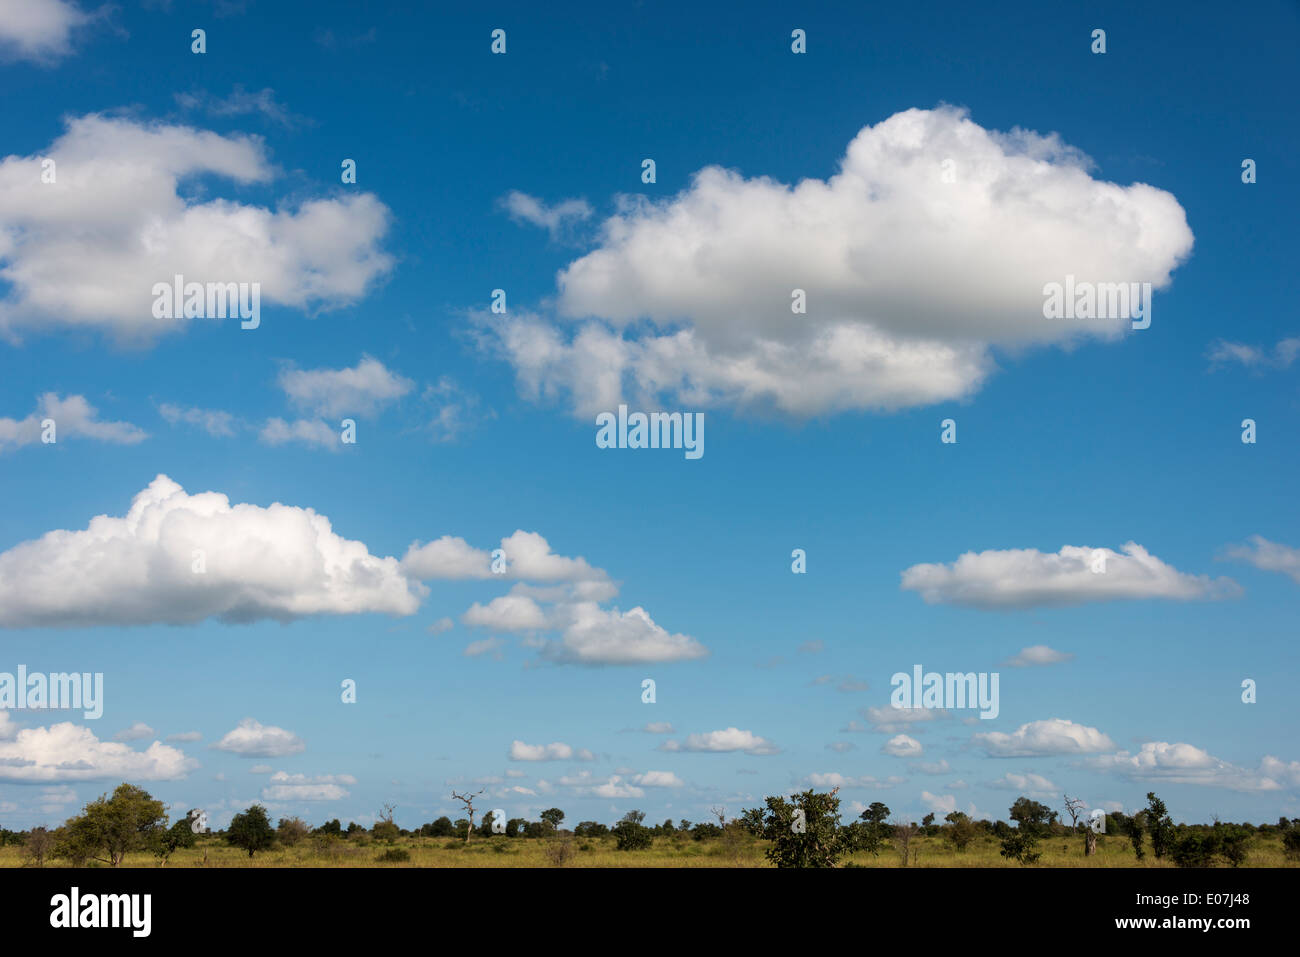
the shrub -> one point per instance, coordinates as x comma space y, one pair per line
291, 830
1194, 850
631, 833
804, 831
394, 855
559, 852
1021, 846
706, 832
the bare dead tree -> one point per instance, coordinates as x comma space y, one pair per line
1074, 807
468, 799
721, 814
904, 831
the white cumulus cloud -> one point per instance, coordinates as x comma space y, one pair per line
69, 752
73, 417
1268, 556
728, 739
38, 30
555, 751
279, 562
1028, 578
301, 787
360, 390
909, 280
252, 739
1049, 737
87, 249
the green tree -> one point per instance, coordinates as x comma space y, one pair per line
110, 827
1032, 816
1159, 824
1135, 828
875, 829
960, 831
751, 819
251, 830
442, 827
167, 841
1032, 821
812, 838
553, 816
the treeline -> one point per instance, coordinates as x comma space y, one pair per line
804, 830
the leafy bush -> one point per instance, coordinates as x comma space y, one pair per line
631, 833
394, 855
1194, 850
706, 832
810, 839
1021, 846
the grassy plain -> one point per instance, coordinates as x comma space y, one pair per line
665, 852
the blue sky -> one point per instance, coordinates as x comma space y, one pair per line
474, 425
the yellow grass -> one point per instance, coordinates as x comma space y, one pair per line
665, 852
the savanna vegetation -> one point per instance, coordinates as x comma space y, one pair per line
129, 828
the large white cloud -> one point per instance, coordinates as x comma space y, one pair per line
70, 752
87, 249
1026, 578
38, 30
909, 278
1049, 737
279, 562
